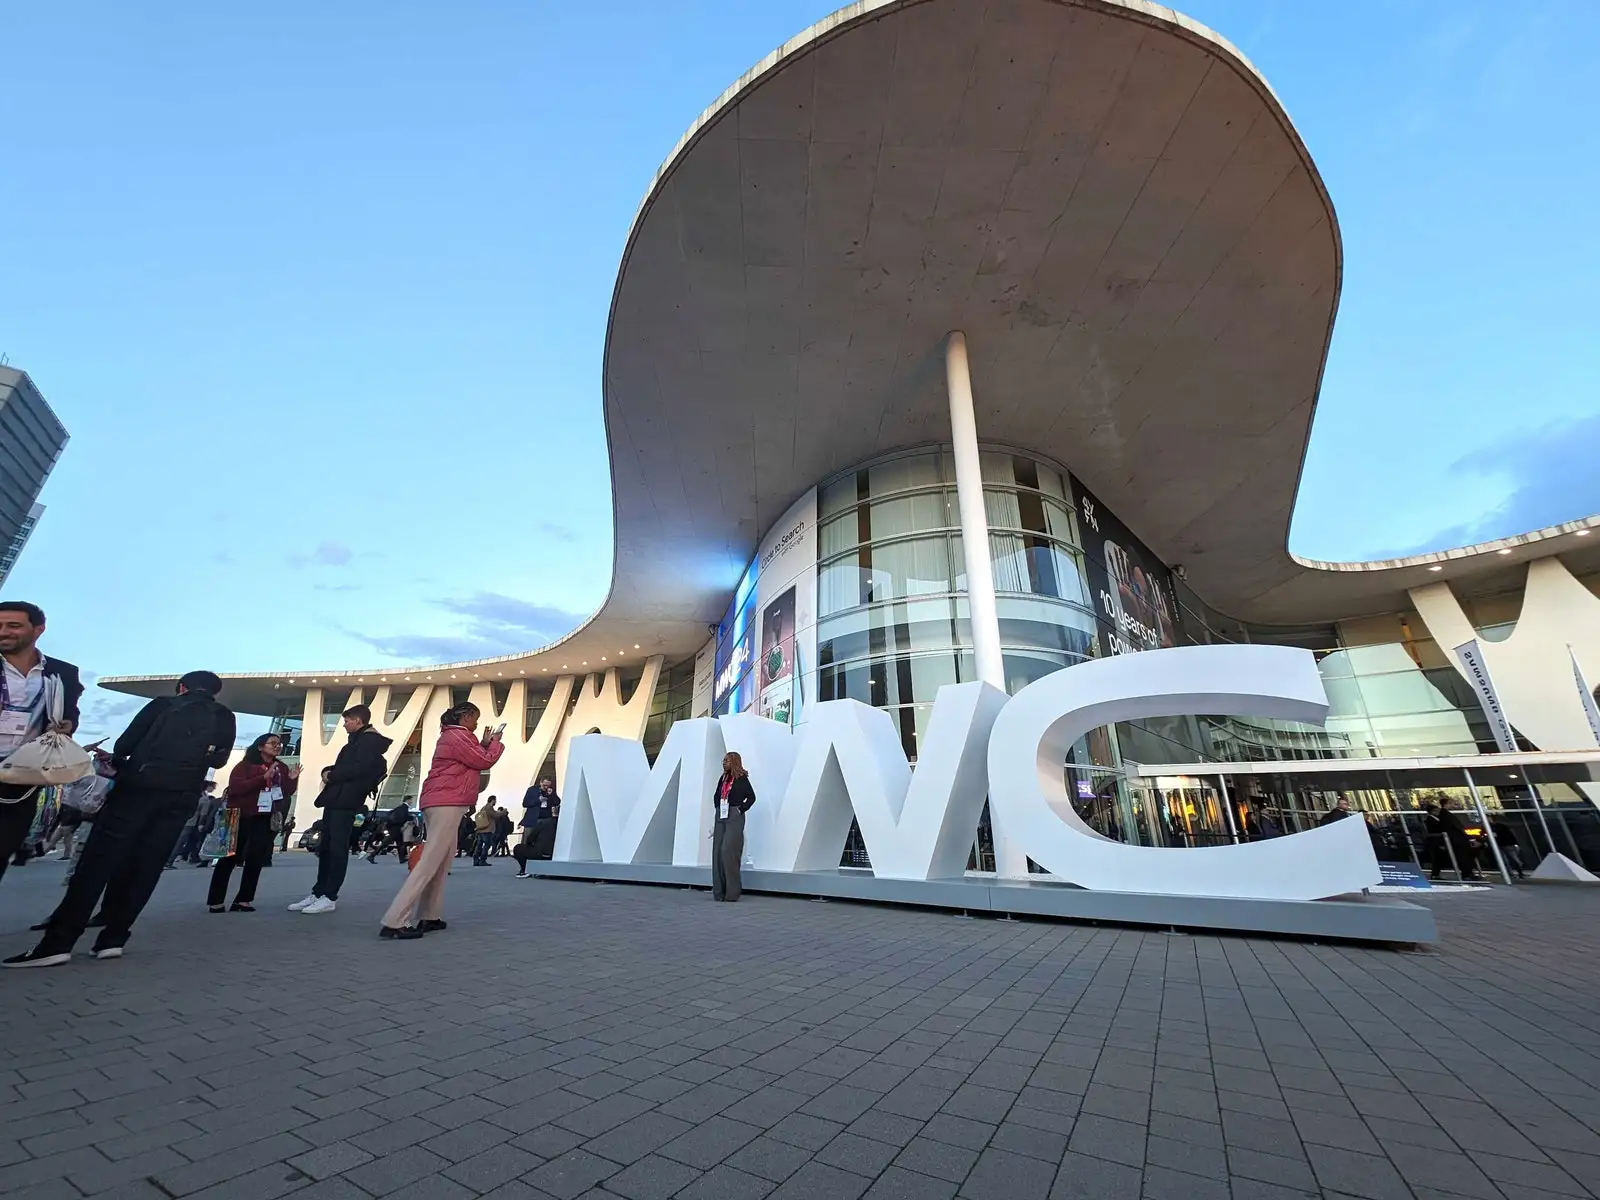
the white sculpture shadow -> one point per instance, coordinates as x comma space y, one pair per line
1038, 727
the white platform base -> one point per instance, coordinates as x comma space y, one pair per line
1349, 918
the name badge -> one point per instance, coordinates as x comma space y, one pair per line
14, 722
724, 810
269, 797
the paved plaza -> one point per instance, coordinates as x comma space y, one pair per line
580, 1040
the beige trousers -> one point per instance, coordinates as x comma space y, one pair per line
421, 896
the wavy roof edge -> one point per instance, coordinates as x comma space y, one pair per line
1457, 562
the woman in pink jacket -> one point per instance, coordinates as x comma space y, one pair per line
450, 789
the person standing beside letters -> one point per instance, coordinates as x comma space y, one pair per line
730, 800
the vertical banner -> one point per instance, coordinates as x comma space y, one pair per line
786, 604
705, 670
1590, 708
1132, 589
1470, 656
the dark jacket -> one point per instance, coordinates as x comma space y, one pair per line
740, 795
1334, 814
71, 688
357, 771
536, 806
127, 753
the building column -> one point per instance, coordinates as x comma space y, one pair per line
1008, 857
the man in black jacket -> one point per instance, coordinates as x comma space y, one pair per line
27, 681
161, 761
356, 774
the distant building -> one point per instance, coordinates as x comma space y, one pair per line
31, 440
8, 559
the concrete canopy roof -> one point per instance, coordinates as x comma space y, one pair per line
1103, 195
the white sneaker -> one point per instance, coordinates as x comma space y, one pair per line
320, 904
302, 905
109, 952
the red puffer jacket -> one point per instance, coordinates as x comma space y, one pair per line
458, 759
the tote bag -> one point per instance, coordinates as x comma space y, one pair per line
223, 839
52, 757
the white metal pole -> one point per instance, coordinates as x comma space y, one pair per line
1227, 809
974, 515
1009, 860
1483, 818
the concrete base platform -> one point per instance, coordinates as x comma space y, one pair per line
1348, 918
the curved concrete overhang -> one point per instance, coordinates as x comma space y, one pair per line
1103, 195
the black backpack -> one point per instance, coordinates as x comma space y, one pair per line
177, 752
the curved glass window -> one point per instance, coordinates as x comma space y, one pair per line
892, 625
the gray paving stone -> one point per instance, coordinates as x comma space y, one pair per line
634, 1139
885, 1127
939, 1159
769, 1158
817, 1182
548, 1141
1163, 1183
1004, 1175
724, 1182
858, 1155
651, 1178
708, 1143
1145, 1066
433, 1187
811, 1133
332, 1159
570, 1175
395, 1170
1104, 1137
1081, 1176
493, 1166
1364, 1175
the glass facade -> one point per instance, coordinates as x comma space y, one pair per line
892, 620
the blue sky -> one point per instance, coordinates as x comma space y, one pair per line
320, 291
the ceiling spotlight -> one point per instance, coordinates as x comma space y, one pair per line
1507, 550
1583, 533
636, 645
1436, 567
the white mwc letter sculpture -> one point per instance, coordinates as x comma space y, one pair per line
1031, 739
847, 761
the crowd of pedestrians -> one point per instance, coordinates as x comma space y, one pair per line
149, 806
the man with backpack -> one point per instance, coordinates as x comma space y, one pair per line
161, 761
355, 775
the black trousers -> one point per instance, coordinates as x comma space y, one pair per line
16, 819
544, 838
253, 850
124, 858
333, 852
727, 852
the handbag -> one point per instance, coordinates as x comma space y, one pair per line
87, 795
223, 839
52, 757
